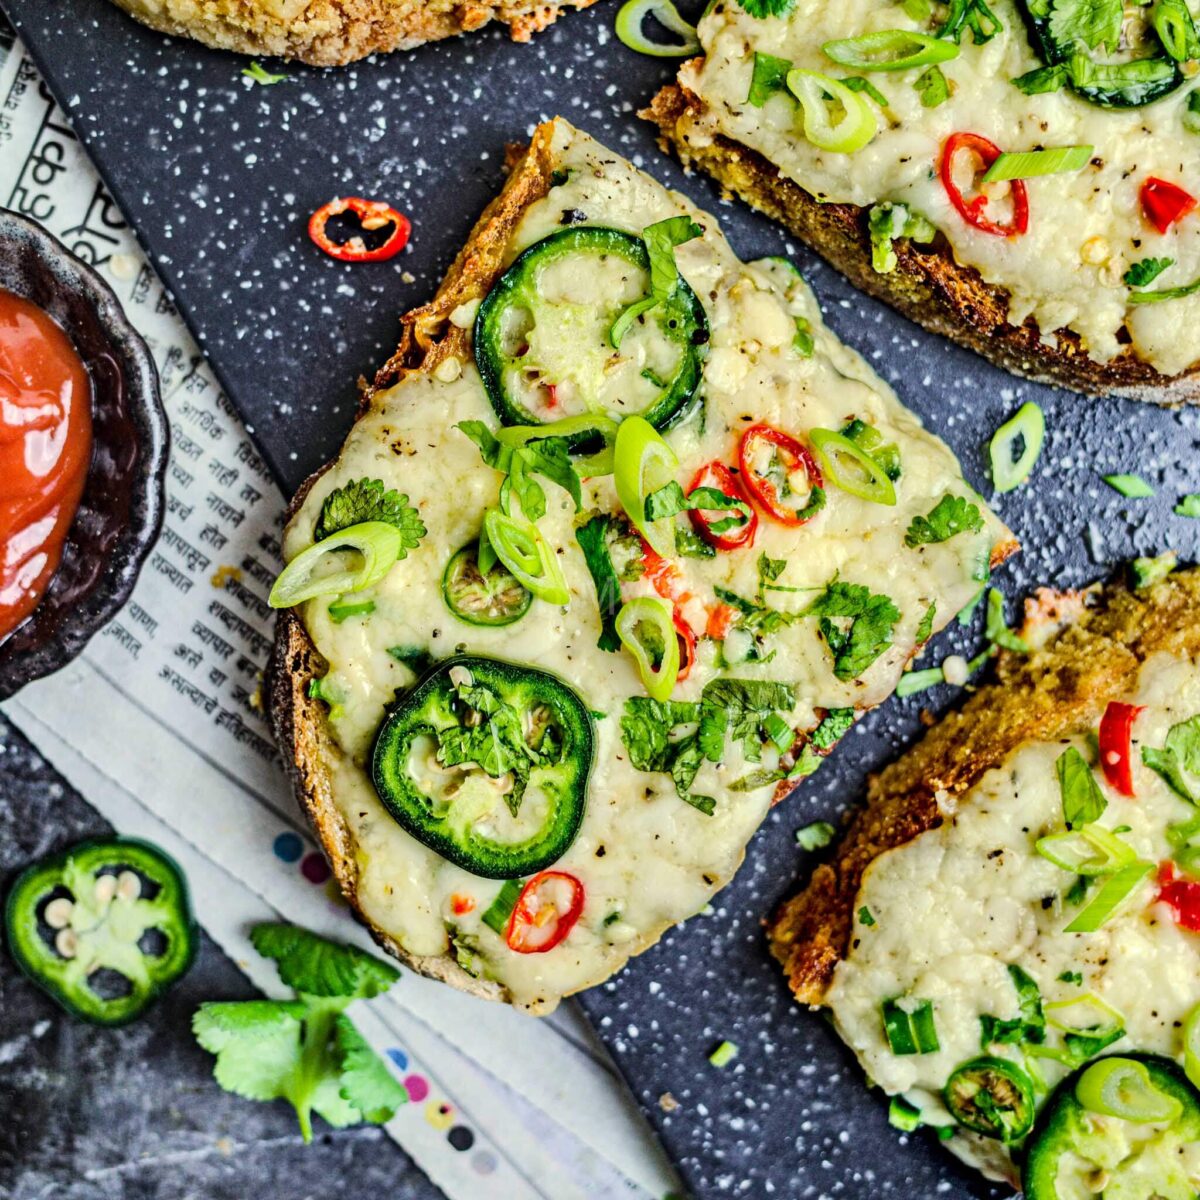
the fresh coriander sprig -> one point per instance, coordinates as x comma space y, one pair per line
305, 1050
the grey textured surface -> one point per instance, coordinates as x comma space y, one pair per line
133, 1113
219, 177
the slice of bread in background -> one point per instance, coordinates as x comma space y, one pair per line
928, 286
330, 33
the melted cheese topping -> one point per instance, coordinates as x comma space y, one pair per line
1085, 228
642, 853
955, 906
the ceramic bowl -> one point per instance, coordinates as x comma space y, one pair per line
121, 511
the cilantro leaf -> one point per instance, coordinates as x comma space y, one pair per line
1179, 757
259, 74
593, 541
1189, 506
545, 456
660, 239
951, 516
932, 87
1082, 800
832, 728
758, 618
925, 628
318, 967
669, 501
740, 706
646, 728
1147, 270
855, 646
368, 500
770, 76
885, 223
866, 917
366, 1082
1092, 22
973, 15
768, 8
689, 544
304, 1050
860, 83
1028, 1027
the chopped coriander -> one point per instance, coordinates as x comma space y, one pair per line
803, 341
417, 660
885, 223
831, 729
1132, 487
770, 76
612, 918
593, 541
1191, 115
368, 500
865, 917
1082, 800
967, 612
1189, 506
1147, 270
1028, 1027
305, 1050
951, 515
497, 914
1071, 977
1178, 758
816, 836
724, 1054
932, 87
548, 457
1077, 893
859, 83
925, 627
660, 240
871, 619
690, 544
320, 688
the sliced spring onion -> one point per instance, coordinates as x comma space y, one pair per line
378, 544
910, 1032
1191, 1046
1122, 1087
1175, 293
1173, 23
1029, 164
889, 50
575, 429
724, 1054
647, 630
497, 914
630, 29
932, 87
850, 467
857, 125
1114, 893
1092, 850
519, 545
1087, 1015
1132, 487
643, 463
912, 682
341, 610
1009, 469
903, 1116
816, 836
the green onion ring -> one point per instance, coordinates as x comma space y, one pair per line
885, 50
519, 545
649, 610
865, 478
632, 17
643, 463
1028, 164
1191, 1046
858, 124
379, 544
1116, 891
1008, 472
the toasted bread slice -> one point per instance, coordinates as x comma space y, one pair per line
641, 851
944, 859
712, 124
330, 33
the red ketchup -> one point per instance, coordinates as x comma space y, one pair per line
45, 447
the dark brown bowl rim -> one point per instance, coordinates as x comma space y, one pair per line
91, 610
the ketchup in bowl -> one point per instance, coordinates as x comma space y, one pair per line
45, 449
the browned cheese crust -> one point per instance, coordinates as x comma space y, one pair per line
1096, 644
329, 33
928, 285
299, 721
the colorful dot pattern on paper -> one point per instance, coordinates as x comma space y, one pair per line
441, 1115
288, 847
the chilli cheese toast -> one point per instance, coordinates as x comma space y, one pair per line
867, 129
329, 33
1014, 917
622, 540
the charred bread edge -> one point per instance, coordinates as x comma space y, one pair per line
362, 27
300, 725
1095, 642
928, 285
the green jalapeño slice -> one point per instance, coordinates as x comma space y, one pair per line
544, 341
104, 928
487, 763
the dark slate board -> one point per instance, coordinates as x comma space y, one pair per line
219, 178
